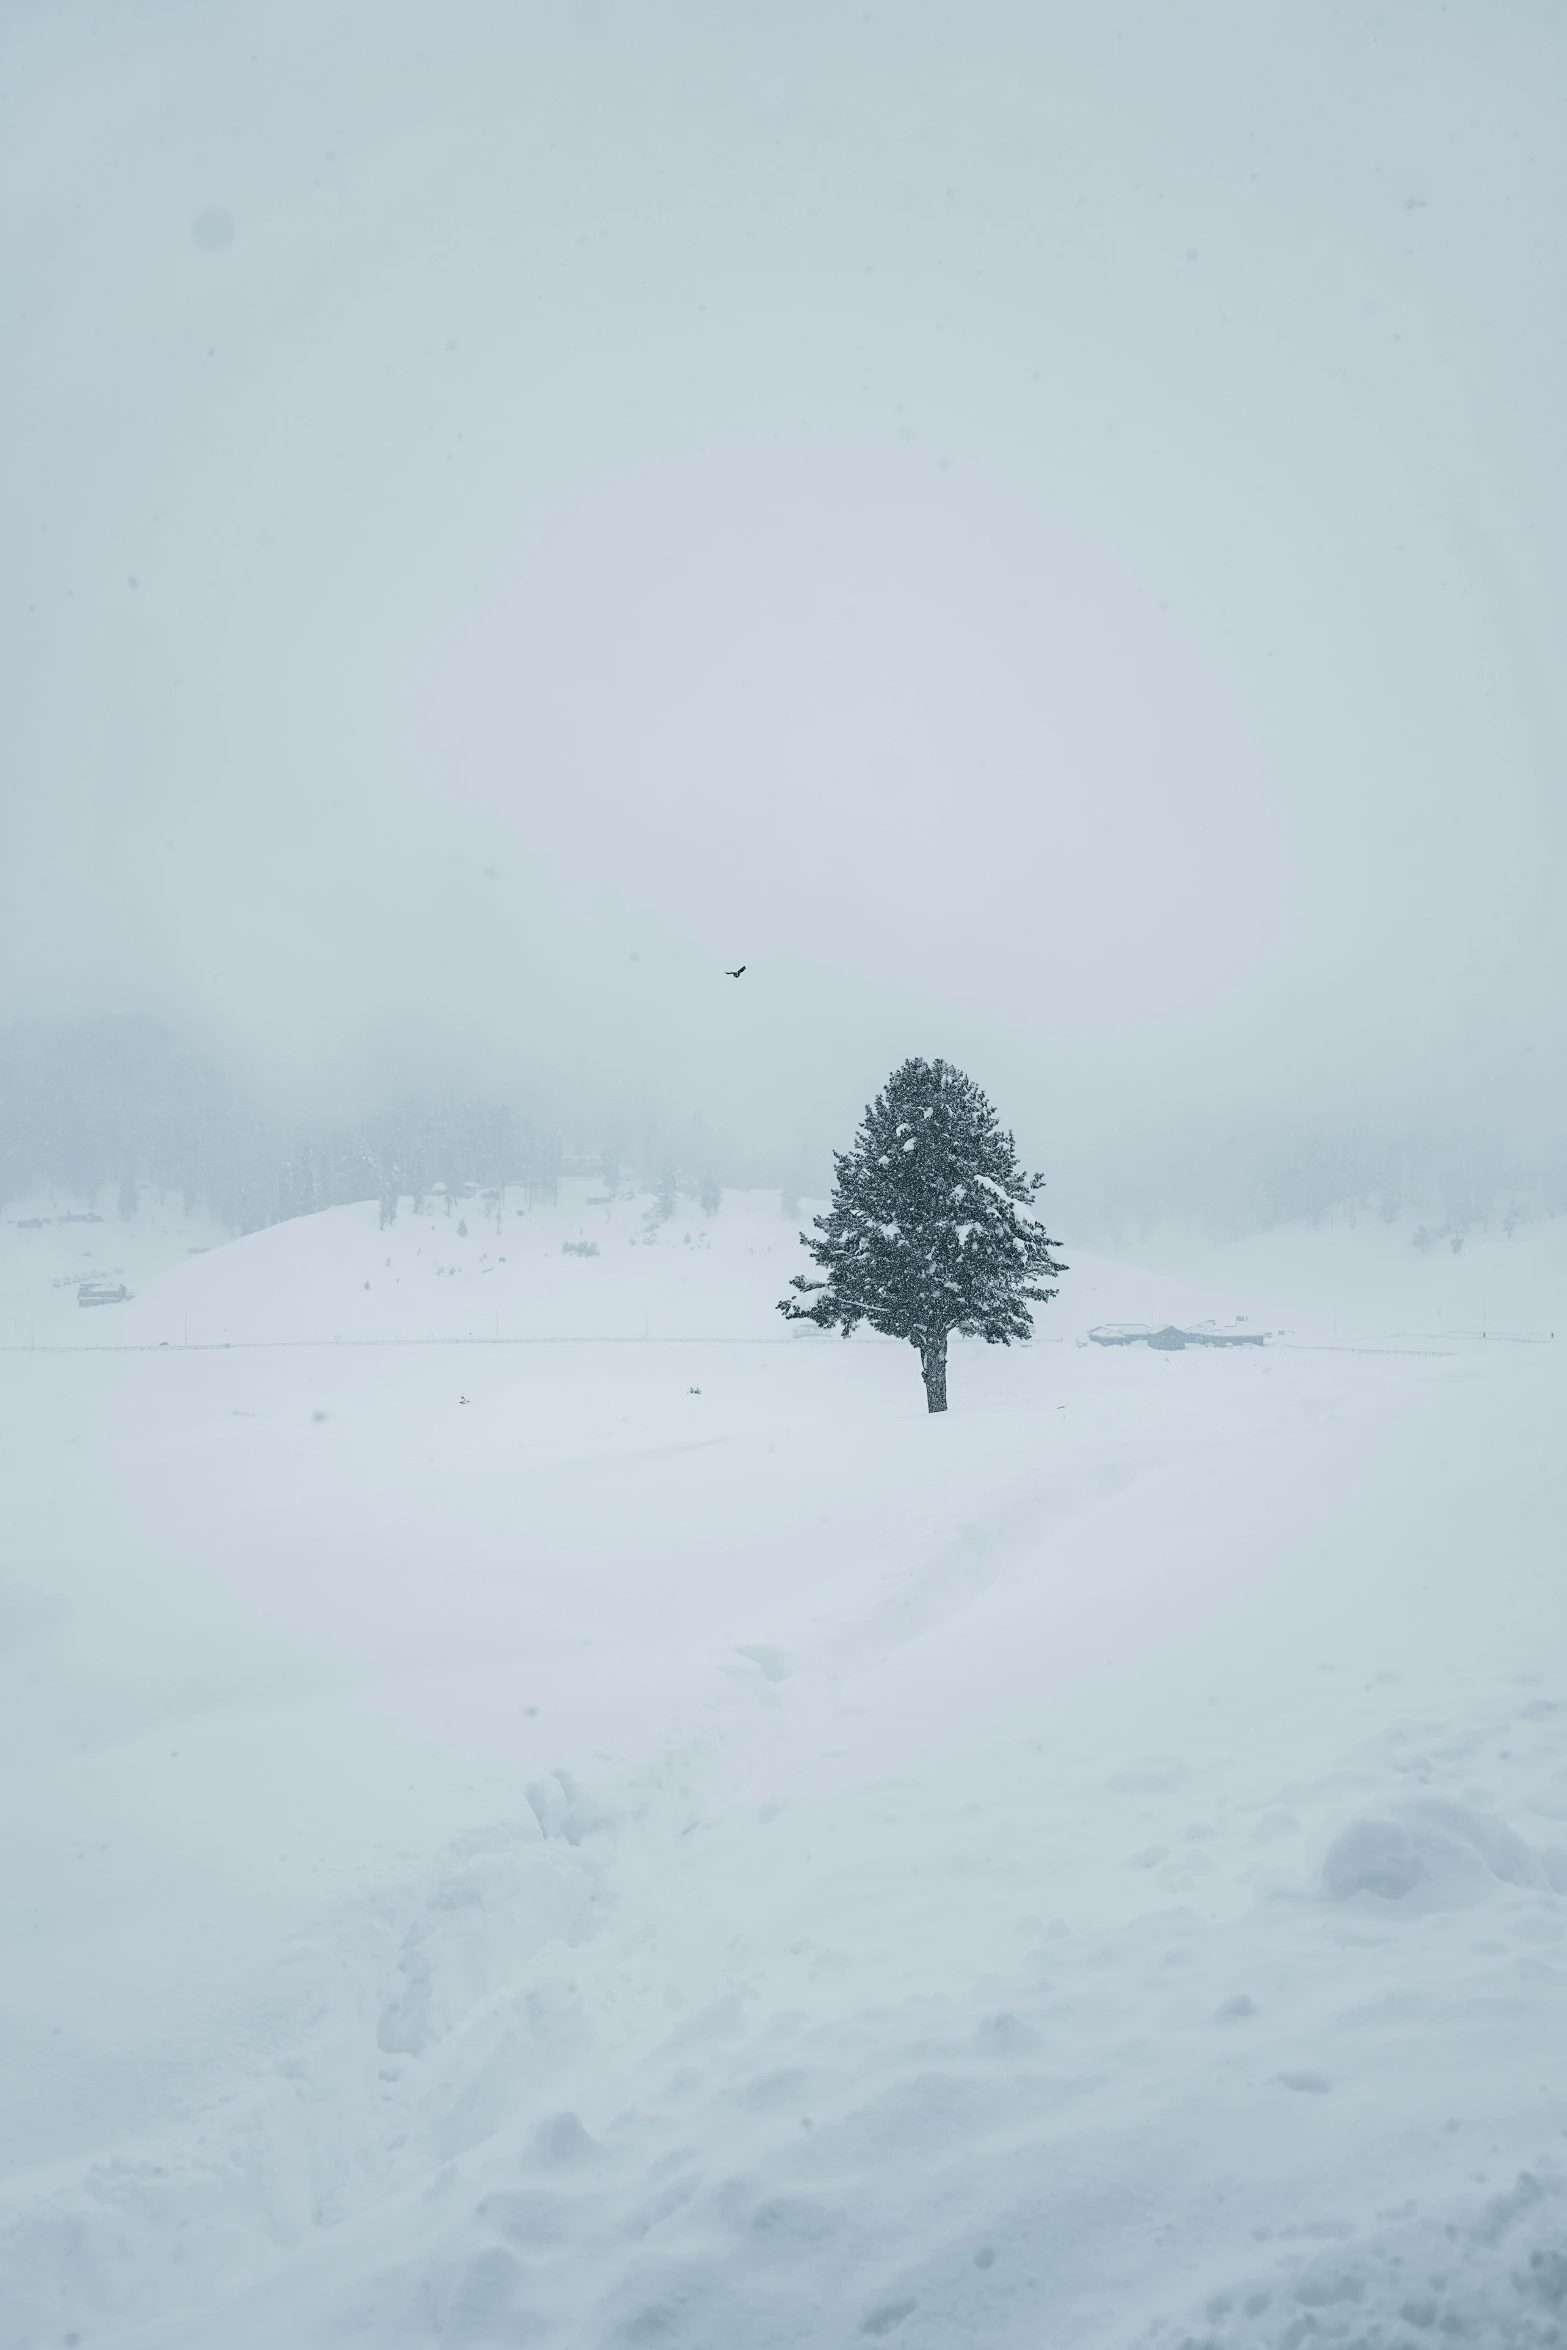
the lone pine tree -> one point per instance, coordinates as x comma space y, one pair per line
928, 1231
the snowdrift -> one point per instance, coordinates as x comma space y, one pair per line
646, 1837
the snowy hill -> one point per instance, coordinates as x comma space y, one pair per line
525, 1273
600, 1843
455, 1272
581, 1267
585, 1267
52, 1245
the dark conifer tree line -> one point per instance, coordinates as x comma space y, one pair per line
118, 1104
121, 1106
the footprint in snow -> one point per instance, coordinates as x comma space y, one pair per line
562, 2140
770, 1662
888, 2318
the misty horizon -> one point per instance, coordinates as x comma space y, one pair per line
1059, 573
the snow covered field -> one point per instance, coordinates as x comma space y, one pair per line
542, 1806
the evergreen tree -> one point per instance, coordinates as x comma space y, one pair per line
666, 1197
928, 1231
390, 1189
307, 1189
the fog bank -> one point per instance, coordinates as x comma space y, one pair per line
1037, 531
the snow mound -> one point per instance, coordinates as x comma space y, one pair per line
1489, 2270
1434, 1855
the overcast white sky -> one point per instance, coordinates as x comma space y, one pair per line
1040, 529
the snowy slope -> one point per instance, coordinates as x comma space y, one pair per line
606, 1863
52, 1243
457, 1273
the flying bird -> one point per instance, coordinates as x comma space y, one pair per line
734, 974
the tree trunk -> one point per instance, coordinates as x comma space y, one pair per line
933, 1364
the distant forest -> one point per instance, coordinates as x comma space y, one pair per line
126, 1104
121, 1105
